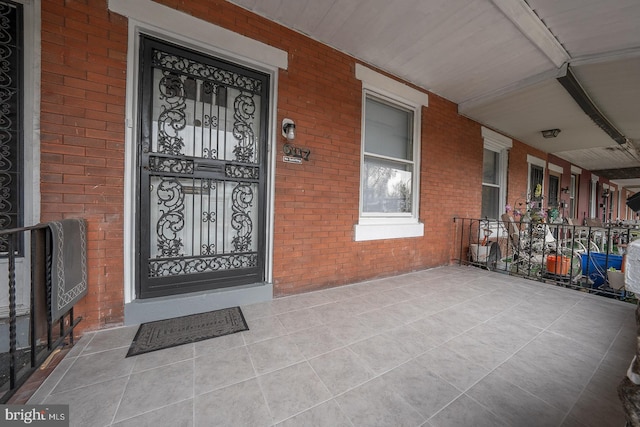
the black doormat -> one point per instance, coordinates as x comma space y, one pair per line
161, 334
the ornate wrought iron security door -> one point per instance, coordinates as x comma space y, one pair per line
11, 122
202, 152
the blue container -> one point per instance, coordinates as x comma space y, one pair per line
598, 265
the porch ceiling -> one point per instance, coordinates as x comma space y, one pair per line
499, 60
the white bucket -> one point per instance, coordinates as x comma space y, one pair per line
479, 253
616, 279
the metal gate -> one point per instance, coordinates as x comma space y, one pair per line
202, 162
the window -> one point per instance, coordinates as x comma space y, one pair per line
573, 191
388, 166
389, 173
554, 191
494, 173
491, 184
608, 204
535, 191
536, 178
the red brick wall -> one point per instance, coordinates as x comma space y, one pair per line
585, 195
317, 203
82, 140
451, 179
83, 98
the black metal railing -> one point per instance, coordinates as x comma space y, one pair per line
586, 258
44, 336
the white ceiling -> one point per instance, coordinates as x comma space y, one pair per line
499, 60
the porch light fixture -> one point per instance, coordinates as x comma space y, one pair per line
550, 133
565, 190
289, 129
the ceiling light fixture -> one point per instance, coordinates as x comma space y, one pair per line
550, 133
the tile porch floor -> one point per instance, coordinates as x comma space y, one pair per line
450, 346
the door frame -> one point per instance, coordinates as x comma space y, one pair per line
148, 17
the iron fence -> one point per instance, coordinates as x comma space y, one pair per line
20, 359
586, 258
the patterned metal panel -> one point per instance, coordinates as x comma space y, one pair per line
10, 119
202, 155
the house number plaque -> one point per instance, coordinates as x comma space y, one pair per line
296, 152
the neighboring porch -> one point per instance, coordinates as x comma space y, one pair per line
449, 346
588, 258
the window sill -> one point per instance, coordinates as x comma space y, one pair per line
364, 232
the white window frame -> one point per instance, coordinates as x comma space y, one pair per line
376, 216
396, 224
393, 226
500, 144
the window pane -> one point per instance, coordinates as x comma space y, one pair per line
490, 200
572, 196
490, 168
388, 130
537, 175
387, 186
554, 187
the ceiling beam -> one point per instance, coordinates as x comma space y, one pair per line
574, 88
623, 173
530, 25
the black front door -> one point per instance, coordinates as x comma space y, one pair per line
202, 166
